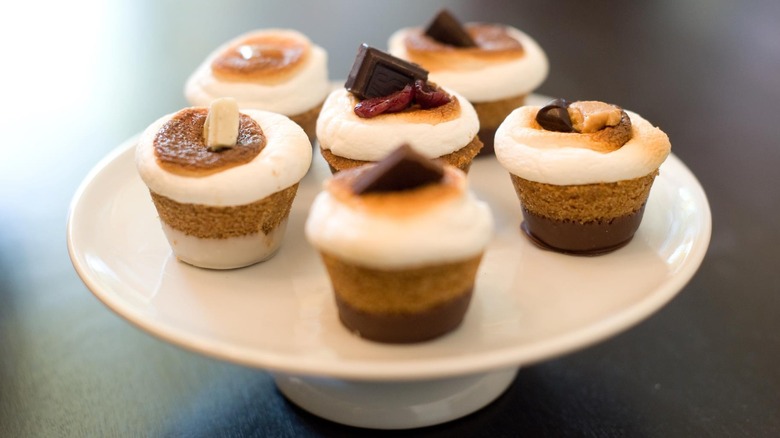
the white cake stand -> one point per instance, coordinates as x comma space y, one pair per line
528, 305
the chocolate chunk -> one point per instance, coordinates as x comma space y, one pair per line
555, 116
446, 29
376, 73
402, 169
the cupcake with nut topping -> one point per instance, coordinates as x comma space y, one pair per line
223, 181
277, 70
494, 66
386, 102
582, 171
402, 240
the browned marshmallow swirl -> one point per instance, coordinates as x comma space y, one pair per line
494, 44
180, 148
265, 58
432, 132
429, 225
531, 152
505, 63
602, 127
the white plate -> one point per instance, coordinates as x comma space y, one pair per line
279, 315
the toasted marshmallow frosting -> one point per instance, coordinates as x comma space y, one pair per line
284, 161
535, 154
409, 230
433, 133
306, 88
488, 81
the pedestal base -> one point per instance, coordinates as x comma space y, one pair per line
394, 405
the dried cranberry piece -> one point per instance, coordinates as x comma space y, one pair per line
393, 103
429, 97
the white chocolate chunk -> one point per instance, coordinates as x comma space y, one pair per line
592, 115
221, 128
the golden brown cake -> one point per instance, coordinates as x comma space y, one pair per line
402, 258
582, 171
223, 205
276, 70
494, 66
352, 134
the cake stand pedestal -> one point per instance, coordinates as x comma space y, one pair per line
529, 305
394, 404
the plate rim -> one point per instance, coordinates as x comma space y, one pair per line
554, 346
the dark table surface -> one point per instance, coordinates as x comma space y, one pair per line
80, 77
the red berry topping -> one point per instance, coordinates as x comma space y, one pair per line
393, 103
429, 97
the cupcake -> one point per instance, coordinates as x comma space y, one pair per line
223, 181
494, 66
582, 171
386, 102
276, 70
401, 240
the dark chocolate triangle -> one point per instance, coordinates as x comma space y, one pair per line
446, 29
376, 73
402, 169
554, 116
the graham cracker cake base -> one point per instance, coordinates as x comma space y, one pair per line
308, 121
490, 115
211, 222
461, 158
584, 202
587, 219
403, 305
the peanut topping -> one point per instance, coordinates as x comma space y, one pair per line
266, 59
603, 127
590, 115
220, 131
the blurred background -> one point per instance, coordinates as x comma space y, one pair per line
79, 77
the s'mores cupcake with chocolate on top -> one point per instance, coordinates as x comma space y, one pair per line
582, 171
277, 70
386, 102
494, 66
402, 240
223, 181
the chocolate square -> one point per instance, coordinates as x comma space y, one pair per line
376, 73
403, 169
446, 29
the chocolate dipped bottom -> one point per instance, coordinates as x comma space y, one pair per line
581, 238
402, 306
404, 328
